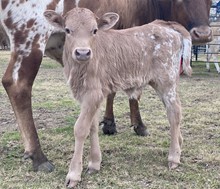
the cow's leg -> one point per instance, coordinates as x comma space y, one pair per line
17, 81
209, 55
82, 129
172, 104
217, 67
136, 120
216, 63
108, 123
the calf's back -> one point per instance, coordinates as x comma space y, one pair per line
129, 59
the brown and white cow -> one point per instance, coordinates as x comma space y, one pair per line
98, 62
30, 36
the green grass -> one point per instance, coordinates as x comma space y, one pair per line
49, 64
129, 161
199, 69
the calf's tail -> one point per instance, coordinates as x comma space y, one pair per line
186, 55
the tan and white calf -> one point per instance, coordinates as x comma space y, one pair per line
99, 61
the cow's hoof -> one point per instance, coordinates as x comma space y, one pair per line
173, 165
45, 167
108, 126
41, 163
140, 130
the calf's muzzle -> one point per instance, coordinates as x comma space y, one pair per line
82, 54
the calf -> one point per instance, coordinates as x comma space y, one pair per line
98, 61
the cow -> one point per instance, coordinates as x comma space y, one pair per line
31, 36
212, 49
99, 61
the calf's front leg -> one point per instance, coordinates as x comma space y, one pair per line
86, 124
95, 156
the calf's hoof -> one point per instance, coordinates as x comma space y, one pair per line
140, 130
71, 183
173, 165
108, 126
72, 180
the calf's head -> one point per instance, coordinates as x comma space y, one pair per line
82, 27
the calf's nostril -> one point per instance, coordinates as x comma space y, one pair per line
88, 53
77, 53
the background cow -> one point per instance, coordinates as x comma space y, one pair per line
213, 48
29, 33
99, 61
4, 41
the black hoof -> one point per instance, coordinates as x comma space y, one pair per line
108, 126
45, 167
140, 130
40, 164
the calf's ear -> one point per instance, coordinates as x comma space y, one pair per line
54, 19
108, 20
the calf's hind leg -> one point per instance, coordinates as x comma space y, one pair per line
172, 104
17, 81
174, 116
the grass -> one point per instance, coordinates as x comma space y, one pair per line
129, 161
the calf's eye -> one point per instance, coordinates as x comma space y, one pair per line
95, 31
67, 30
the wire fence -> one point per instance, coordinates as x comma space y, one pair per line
203, 53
